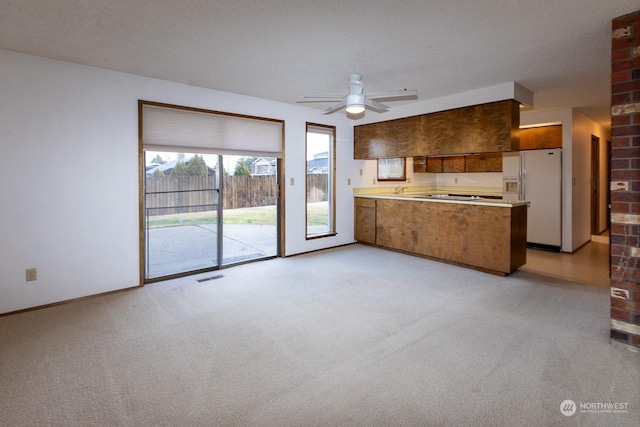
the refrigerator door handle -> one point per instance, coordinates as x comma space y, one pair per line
523, 182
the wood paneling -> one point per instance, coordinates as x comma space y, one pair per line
434, 164
453, 164
488, 238
492, 127
365, 220
419, 164
486, 162
543, 137
518, 237
489, 162
396, 138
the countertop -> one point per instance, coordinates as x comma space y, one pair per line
439, 197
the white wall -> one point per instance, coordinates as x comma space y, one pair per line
69, 175
487, 181
576, 171
510, 90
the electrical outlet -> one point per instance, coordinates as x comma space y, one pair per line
291, 180
31, 274
360, 172
456, 180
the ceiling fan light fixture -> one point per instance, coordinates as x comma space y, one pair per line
355, 104
356, 101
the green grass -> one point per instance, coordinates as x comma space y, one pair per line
263, 215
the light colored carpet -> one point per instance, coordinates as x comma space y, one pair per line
349, 336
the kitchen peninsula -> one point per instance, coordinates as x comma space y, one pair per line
484, 234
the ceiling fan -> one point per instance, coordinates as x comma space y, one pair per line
356, 101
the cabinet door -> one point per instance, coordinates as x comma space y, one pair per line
365, 220
484, 128
453, 164
419, 164
394, 138
544, 137
494, 162
434, 164
490, 162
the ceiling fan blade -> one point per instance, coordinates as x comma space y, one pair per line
335, 108
395, 96
320, 98
375, 106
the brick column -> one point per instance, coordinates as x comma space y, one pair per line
625, 180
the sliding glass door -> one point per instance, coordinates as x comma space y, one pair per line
182, 196
205, 211
208, 189
249, 208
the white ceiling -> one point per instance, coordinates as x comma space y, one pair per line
279, 49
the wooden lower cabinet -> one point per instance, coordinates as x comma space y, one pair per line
365, 220
487, 238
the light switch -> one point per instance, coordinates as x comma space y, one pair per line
291, 180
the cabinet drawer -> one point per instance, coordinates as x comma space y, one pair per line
365, 202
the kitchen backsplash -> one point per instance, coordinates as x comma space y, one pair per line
450, 182
469, 179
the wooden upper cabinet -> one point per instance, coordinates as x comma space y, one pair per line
394, 138
434, 164
489, 162
486, 162
419, 164
491, 127
453, 164
543, 137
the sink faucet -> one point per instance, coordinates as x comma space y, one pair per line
398, 190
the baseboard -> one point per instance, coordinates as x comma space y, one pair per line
600, 239
54, 304
543, 247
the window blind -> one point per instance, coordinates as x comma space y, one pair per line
166, 128
325, 130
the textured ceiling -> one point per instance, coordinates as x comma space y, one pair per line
279, 49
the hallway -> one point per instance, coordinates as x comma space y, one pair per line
589, 264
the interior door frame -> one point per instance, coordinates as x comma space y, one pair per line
595, 185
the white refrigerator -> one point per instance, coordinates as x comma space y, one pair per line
536, 176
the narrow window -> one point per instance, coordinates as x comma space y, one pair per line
320, 182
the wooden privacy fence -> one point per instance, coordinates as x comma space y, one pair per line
185, 194
249, 191
317, 187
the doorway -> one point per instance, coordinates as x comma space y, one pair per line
206, 211
595, 186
